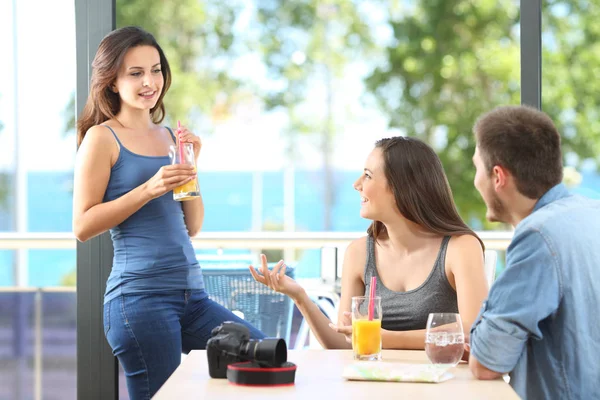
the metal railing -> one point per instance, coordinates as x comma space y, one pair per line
494, 240
330, 243
21, 320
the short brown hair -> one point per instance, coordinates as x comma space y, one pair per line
525, 141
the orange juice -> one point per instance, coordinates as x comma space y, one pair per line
187, 191
366, 336
183, 153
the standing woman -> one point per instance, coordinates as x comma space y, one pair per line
155, 306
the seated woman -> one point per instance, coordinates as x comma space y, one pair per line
424, 257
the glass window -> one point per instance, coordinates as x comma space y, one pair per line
570, 87
37, 148
289, 97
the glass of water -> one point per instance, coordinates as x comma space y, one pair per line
444, 339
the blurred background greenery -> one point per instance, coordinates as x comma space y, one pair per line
430, 67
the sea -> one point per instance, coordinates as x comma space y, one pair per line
230, 205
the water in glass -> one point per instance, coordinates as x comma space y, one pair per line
444, 339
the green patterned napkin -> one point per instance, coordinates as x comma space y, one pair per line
396, 372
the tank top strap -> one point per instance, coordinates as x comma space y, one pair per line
444, 245
440, 262
172, 134
114, 134
370, 268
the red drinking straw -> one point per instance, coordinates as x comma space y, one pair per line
372, 298
179, 144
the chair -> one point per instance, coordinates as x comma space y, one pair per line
490, 259
235, 289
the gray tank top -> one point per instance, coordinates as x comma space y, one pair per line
404, 311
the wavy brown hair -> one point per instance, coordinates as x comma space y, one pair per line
102, 103
416, 177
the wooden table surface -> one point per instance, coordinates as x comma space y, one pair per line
319, 376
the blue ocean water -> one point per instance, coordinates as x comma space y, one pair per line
228, 204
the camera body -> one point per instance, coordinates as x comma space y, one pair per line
230, 343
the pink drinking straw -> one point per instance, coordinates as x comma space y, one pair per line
179, 144
372, 298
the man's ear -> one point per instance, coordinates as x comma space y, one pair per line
500, 177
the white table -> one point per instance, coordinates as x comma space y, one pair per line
319, 376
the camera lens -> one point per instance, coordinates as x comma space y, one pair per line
271, 352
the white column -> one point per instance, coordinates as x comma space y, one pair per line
257, 207
257, 201
20, 194
289, 219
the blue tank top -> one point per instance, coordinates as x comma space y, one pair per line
152, 248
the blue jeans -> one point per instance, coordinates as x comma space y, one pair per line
148, 333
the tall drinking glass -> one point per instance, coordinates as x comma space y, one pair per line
366, 334
183, 153
444, 339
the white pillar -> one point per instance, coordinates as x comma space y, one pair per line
20, 194
257, 207
257, 201
289, 219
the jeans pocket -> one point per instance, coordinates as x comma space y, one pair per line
107, 317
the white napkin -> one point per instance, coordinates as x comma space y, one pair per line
396, 372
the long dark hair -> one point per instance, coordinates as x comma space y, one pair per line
416, 177
102, 103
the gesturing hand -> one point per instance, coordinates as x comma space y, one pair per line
276, 279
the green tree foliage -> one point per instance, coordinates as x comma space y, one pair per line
305, 44
449, 61
570, 70
5, 186
69, 279
198, 40
446, 62
4, 183
69, 113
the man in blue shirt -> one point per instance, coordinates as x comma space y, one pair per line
541, 321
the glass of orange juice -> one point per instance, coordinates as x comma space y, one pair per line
366, 332
183, 153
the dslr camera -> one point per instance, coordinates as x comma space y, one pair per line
230, 343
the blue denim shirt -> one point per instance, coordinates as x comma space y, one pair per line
541, 321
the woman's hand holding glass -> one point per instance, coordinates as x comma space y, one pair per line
276, 278
185, 136
344, 326
169, 177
